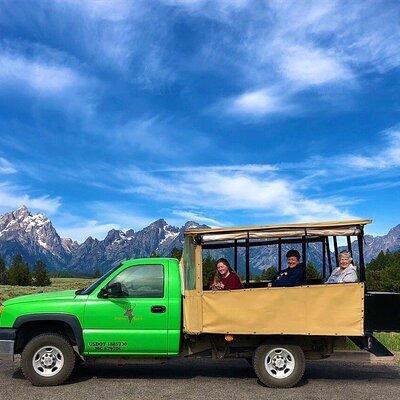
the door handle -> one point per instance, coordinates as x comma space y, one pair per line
158, 309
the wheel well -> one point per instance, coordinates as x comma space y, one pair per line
28, 330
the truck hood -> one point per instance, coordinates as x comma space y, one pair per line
49, 296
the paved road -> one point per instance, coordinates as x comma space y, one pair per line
208, 380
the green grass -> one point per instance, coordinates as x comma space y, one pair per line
390, 340
57, 284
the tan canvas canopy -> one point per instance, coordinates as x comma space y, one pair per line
327, 228
315, 309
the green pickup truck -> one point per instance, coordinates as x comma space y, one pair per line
156, 309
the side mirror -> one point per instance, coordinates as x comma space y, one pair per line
113, 290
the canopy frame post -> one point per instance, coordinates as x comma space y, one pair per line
349, 246
279, 255
328, 253
248, 258
360, 240
323, 259
235, 256
336, 251
304, 255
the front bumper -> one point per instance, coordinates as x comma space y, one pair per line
7, 341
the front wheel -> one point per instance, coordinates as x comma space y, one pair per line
279, 366
48, 360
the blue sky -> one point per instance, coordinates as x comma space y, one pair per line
114, 114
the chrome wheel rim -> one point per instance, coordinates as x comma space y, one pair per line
279, 363
48, 361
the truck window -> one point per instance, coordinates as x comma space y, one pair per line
142, 281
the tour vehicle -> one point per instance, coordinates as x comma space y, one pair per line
156, 309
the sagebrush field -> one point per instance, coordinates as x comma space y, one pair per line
7, 291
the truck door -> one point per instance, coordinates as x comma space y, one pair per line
134, 323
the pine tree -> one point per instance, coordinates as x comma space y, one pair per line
380, 262
176, 253
312, 272
97, 273
269, 274
18, 274
208, 270
3, 272
39, 275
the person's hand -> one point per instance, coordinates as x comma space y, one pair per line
217, 286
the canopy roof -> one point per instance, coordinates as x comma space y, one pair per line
327, 228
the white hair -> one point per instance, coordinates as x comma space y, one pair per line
346, 254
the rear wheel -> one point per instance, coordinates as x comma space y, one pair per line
48, 360
279, 366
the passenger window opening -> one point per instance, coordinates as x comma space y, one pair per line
258, 261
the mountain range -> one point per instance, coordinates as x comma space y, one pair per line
34, 237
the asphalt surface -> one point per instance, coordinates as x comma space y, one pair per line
204, 379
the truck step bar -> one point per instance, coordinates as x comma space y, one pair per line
371, 344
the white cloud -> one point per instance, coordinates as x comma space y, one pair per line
251, 168
81, 232
258, 103
12, 197
232, 191
193, 216
306, 45
6, 167
307, 66
104, 216
43, 77
120, 214
388, 157
154, 135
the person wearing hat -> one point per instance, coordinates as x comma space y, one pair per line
293, 274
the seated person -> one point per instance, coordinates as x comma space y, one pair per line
293, 274
225, 277
346, 272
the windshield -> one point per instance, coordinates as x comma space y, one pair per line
94, 285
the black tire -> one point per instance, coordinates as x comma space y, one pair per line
286, 365
50, 340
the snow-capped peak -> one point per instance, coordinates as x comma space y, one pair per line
31, 230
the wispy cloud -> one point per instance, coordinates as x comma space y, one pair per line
231, 191
384, 158
306, 66
40, 73
12, 197
83, 230
159, 136
104, 216
253, 168
307, 46
121, 214
6, 167
259, 102
196, 217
